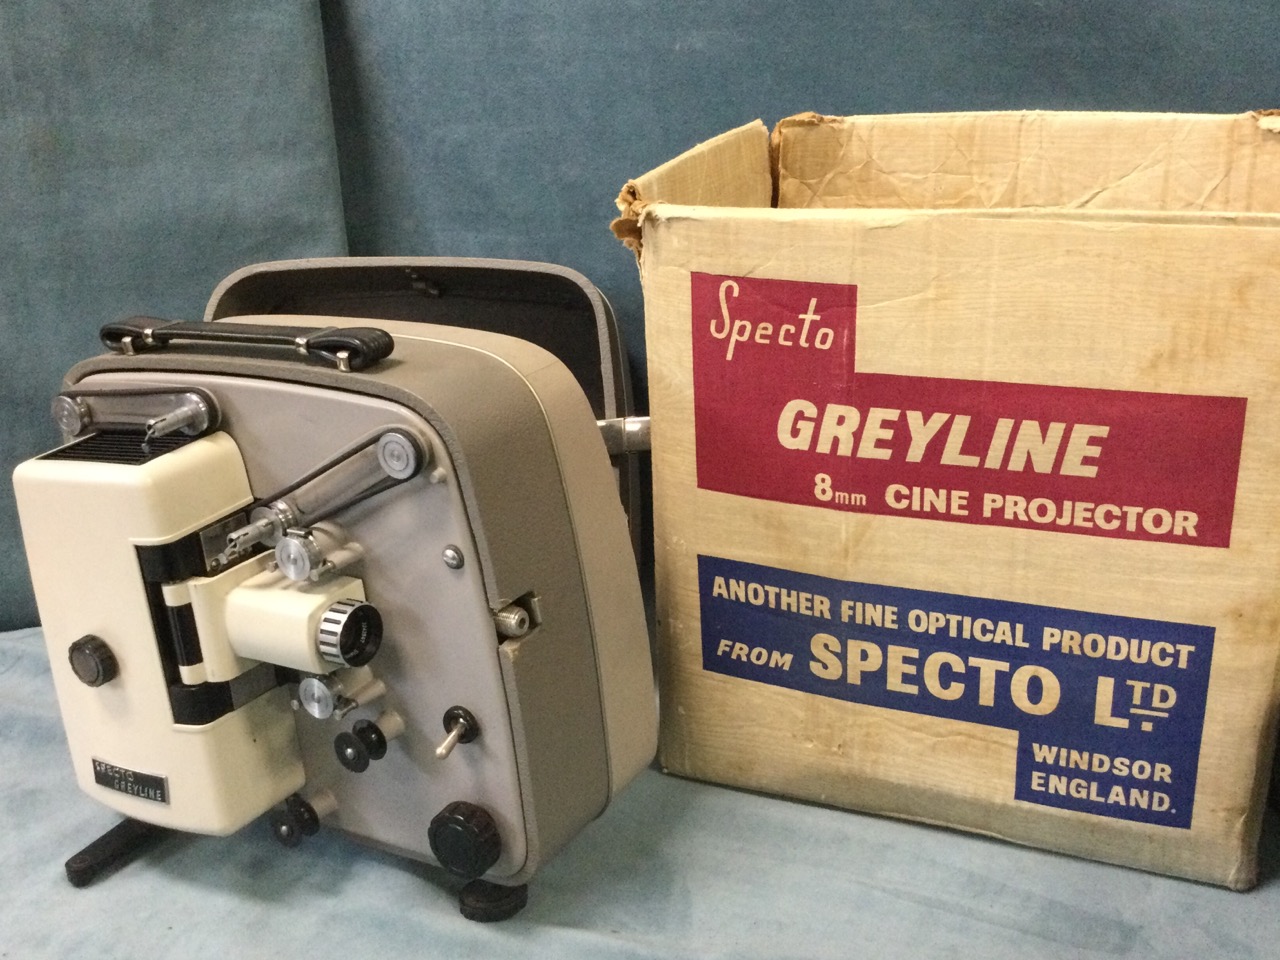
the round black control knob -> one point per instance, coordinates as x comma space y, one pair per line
372, 737
303, 814
351, 752
350, 633
295, 820
92, 661
465, 839
364, 743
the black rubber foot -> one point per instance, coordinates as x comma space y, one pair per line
487, 902
118, 846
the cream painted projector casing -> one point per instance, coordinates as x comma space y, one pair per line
518, 484
82, 522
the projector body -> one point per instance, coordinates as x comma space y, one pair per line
380, 580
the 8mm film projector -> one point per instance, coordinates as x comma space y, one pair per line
351, 552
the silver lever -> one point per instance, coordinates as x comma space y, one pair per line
379, 462
625, 434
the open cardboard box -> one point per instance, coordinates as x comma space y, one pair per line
966, 437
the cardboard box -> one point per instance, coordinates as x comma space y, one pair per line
966, 438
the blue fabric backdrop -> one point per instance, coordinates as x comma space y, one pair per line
147, 150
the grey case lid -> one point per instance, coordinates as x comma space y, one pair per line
553, 307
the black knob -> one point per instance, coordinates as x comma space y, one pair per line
304, 814
465, 839
371, 735
92, 661
350, 633
365, 742
297, 819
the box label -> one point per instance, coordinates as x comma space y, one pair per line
780, 414
1109, 710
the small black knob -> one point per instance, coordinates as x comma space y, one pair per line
365, 742
371, 735
304, 814
350, 633
351, 752
295, 820
92, 661
465, 839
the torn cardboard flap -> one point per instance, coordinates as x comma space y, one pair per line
1000, 160
1166, 162
731, 170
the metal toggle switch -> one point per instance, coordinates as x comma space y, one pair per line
461, 726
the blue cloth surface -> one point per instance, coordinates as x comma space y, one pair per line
672, 869
147, 150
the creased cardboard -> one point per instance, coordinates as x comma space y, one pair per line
963, 468
1166, 162
731, 170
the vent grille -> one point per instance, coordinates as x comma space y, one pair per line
126, 448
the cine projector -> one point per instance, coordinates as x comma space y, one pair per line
351, 553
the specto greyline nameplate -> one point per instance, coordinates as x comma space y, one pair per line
147, 786
1109, 710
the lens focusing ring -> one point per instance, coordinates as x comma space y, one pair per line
350, 633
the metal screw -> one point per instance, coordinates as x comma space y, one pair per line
453, 558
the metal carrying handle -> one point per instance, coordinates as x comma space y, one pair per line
347, 348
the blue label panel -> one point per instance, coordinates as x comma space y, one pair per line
1109, 710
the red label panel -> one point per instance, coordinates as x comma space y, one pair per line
781, 415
